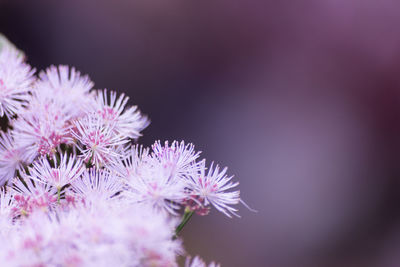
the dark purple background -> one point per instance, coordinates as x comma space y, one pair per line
301, 99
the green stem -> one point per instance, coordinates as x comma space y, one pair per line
186, 217
89, 163
58, 194
58, 160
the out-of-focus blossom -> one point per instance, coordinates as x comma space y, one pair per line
122, 208
16, 78
66, 85
123, 237
12, 157
198, 262
6, 212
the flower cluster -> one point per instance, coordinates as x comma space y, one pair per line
76, 190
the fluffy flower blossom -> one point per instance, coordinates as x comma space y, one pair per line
66, 85
155, 187
198, 262
178, 158
6, 212
212, 188
79, 193
42, 128
16, 78
132, 160
97, 142
30, 196
126, 237
12, 157
59, 173
114, 112
95, 186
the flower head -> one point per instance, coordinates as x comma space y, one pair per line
198, 262
132, 160
60, 172
16, 79
6, 212
122, 208
126, 121
98, 143
42, 127
178, 158
12, 157
212, 188
155, 187
30, 196
96, 186
66, 85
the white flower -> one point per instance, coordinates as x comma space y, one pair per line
42, 127
6, 212
16, 78
39, 241
30, 196
212, 188
131, 236
65, 85
155, 186
126, 121
198, 262
61, 172
12, 158
96, 186
133, 157
29, 188
98, 143
105, 237
54, 211
179, 159
59, 97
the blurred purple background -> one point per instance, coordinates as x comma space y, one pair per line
301, 99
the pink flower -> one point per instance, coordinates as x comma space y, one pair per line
30, 196
213, 188
97, 142
42, 127
120, 212
154, 186
125, 121
198, 262
60, 172
67, 87
133, 157
6, 212
16, 78
12, 157
96, 186
178, 158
